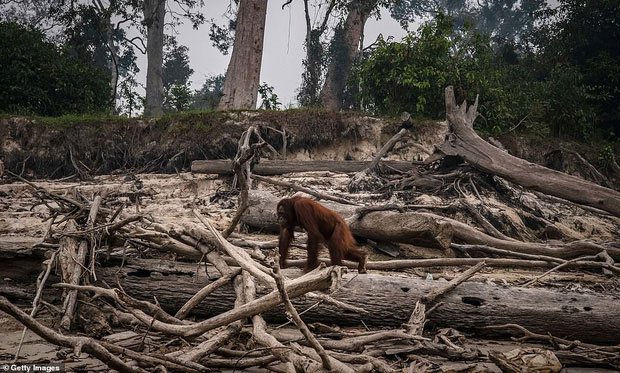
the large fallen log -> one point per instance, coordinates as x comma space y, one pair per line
464, 141
278, 167
418, 228
380, 226
389, 301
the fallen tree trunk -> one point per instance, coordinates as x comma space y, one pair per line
278, 167
381, 226
389, 301
418, 228
464, 142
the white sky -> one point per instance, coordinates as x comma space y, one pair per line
283, 46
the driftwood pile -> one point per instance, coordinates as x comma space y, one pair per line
142, 314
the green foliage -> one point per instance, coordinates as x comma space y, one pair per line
607, 158
88, 32
411, 75
209, 95
567, 110
506, 20
131, 101
578, 41
268, 97
314, 65
554, 82
407, 76
176, 73
179, 97
39, 78
222, 37
176, 69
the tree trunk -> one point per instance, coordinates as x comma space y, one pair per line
344, 49
279, 167
408, 227
484, 156
419, 228
389, 301
311, 77
243, 73
154, 14
112, 64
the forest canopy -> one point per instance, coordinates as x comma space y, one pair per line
562, 77
546, 69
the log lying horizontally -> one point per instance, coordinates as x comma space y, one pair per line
390, 300
380, 226
278, 167
419, 228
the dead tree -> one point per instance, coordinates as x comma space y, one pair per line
463, 141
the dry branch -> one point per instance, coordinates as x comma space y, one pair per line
125, 300
316, 280
364, 178
78, 265
608, 356
41, 280
239, 255
293, 360
466, 143
204, 292
78, 344
433, 295
298, 188
329, 363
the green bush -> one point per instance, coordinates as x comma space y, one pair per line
411, 76
545, 85
39, 78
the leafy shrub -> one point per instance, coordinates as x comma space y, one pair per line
39, 78
411, 75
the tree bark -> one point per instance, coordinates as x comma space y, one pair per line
407, 227
242, 76
466, 143
279, 167
154, 14
587, 317
112, 64
420, 228
346, 44
311, 77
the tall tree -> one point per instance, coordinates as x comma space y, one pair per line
154, 14
94, 31
243, 73
315, 59
176, 75
344, 49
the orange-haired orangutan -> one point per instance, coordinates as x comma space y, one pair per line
322, 225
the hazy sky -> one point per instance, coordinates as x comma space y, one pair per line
283, 46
